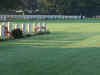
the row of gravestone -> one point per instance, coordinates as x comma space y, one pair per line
42, 27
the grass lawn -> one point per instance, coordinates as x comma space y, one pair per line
70, 49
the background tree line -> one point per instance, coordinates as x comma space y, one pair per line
64, 7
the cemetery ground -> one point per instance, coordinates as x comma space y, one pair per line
70, 49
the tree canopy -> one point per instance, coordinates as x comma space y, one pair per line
84, 7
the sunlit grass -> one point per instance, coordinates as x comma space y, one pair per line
64, 35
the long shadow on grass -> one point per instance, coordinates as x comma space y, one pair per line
56, 39
65, 36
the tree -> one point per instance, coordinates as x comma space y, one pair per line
64, 7
10, 4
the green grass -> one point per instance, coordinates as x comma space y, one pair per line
70, 49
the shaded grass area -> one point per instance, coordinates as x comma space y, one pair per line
70, 49
52, 61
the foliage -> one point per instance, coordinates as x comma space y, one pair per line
84, 7
10, 4
17, 33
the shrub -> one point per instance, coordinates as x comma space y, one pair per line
17, 33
